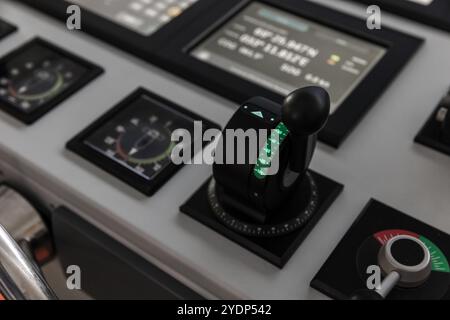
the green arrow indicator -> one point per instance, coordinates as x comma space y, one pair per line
259, 114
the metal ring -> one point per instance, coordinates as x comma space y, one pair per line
259, 230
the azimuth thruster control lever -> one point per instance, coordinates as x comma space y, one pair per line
443, 117
274, 165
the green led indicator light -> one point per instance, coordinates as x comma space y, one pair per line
270, 150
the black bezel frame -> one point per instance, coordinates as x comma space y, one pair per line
9, 29
145, 47
429, 135
364, 224
148, 188
434, 15
400, 48
30, 117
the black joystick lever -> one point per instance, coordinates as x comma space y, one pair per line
443, 117
406, 262
254, 187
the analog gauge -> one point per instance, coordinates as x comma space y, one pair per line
134, 140
139, 139
5, 29
37, 76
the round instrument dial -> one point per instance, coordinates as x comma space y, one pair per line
38, 76
437, 282
139, 138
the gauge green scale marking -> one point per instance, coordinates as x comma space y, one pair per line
53, 91
439, 261
270, 150
161, 157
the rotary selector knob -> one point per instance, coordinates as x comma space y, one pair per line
409, 258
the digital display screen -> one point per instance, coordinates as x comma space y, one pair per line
142, 16
283, 52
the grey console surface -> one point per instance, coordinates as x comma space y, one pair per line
379, 160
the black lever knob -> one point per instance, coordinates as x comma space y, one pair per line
305, 112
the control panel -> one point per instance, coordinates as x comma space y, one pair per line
344, 114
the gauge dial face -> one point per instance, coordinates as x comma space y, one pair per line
133, 141
350, 267
36, 76
139, 137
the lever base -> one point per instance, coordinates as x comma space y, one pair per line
276, 249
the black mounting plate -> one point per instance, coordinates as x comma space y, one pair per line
341, 275
6, 29
169, 48
277, 250
435, 14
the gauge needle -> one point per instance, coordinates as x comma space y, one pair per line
143, 142
22, 89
